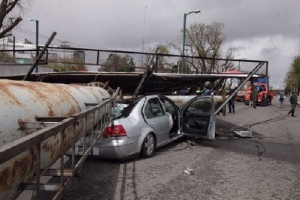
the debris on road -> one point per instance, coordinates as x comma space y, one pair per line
191, 142
243, 133
189, 171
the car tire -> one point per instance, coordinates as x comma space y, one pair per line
148, 146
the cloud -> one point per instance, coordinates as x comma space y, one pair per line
279, 54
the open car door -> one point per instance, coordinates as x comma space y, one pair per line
198, 119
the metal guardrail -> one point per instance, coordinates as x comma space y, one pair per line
34, 140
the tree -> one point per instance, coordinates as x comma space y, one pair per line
118, 63
5, 57
10, 11
161, 63
67, 64
205, 41
292, 78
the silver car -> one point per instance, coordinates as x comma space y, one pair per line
143, 124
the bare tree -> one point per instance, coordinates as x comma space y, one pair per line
10, 15
205, 41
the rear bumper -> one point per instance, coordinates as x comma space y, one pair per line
116, 148
122, 147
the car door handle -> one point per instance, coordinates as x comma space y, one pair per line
153, 123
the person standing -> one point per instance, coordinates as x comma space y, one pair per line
231, 105
231, 102
281, 98
198, 91
293, 100
185, 91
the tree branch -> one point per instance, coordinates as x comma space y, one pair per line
10, 27
11, 5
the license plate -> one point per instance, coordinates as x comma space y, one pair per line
80, 150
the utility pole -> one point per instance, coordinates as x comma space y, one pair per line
144, 30
299, 42
14, 48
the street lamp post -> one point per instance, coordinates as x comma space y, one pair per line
36, 40
183, 45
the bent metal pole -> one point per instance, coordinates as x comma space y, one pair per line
39, 56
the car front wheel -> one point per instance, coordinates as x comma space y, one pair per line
148, 146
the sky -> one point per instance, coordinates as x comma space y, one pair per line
267, 30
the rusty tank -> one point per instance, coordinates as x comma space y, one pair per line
25, 101
182, 100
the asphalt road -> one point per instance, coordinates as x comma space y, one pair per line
229, 167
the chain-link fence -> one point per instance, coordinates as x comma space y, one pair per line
80, 59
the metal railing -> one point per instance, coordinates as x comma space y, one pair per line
101, 116
108, 60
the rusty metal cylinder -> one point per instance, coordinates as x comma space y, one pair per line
24, 101
182, 100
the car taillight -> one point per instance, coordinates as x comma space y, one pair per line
114, 131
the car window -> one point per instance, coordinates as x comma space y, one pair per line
124, 108
167, 104
200, 106
153, 109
